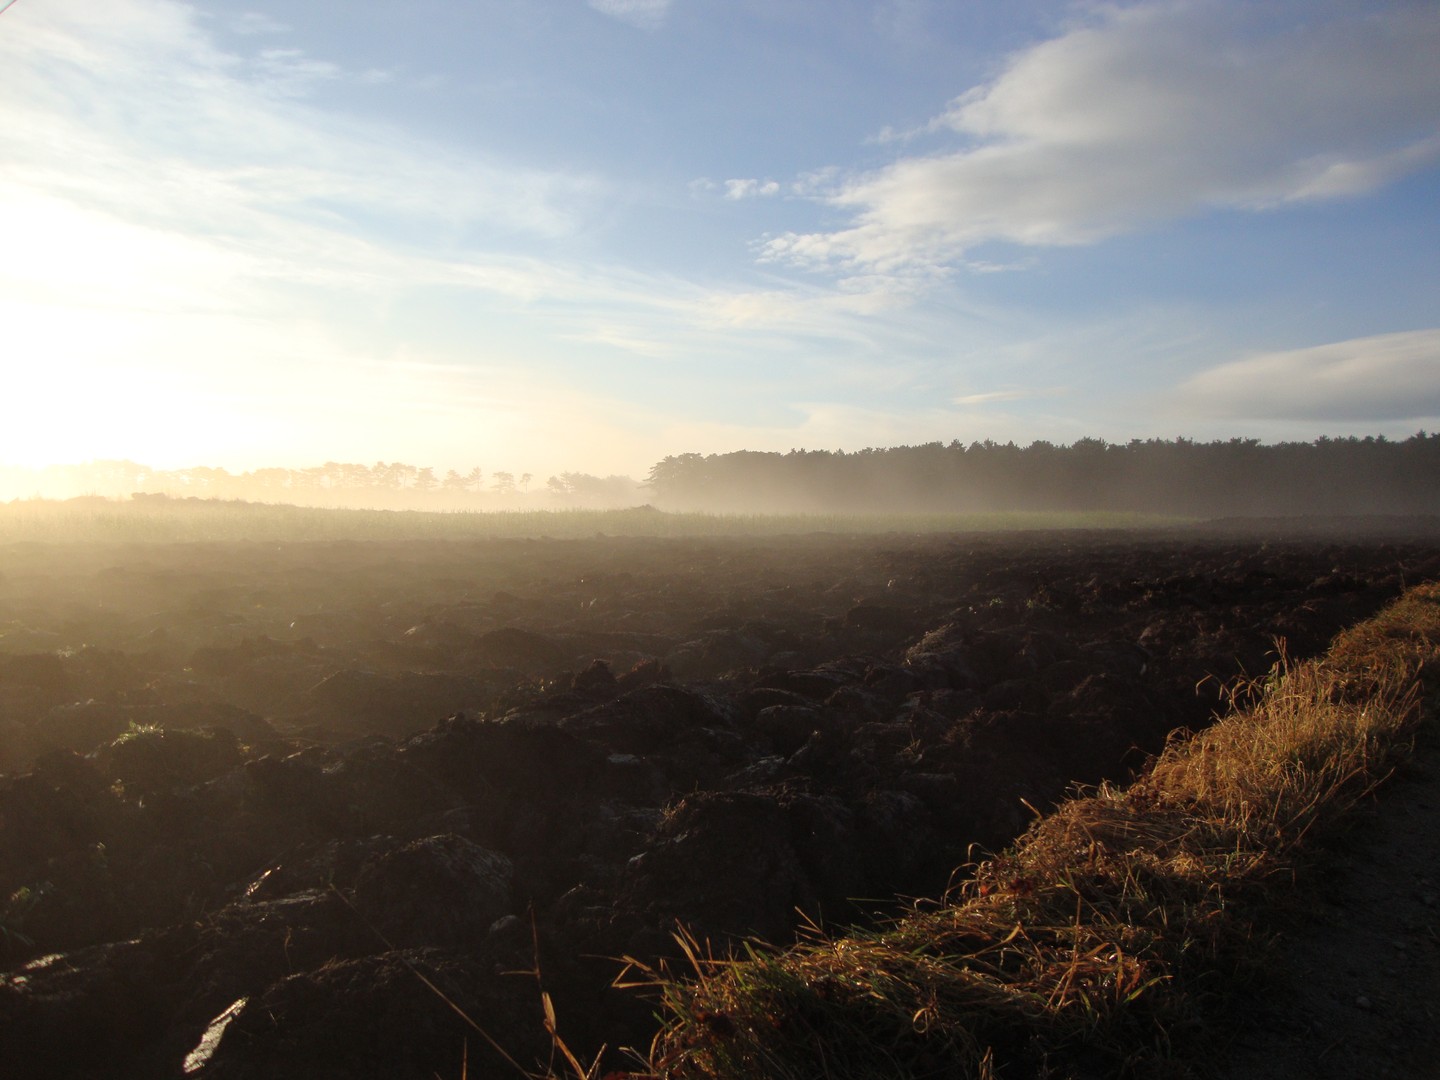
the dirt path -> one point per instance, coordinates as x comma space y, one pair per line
1355, 989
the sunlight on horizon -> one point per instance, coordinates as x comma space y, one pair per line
273, 241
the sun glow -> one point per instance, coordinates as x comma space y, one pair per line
85, 304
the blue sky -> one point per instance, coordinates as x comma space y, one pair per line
552, 235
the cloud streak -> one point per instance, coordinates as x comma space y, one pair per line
1389, 377
1144, 114
642, 14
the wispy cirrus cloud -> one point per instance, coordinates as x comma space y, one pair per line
147, 168
292, 73
133, 109
1145, 113
162, 201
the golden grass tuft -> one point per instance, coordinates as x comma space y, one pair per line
1103, 940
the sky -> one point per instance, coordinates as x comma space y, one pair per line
555, 236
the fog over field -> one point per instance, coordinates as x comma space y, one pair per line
561, 238
1331, 478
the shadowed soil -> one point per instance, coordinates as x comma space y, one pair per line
1354, 986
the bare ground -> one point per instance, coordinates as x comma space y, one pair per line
846, 714
1353, 989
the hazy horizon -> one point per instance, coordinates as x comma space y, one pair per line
1180, 478
553, 236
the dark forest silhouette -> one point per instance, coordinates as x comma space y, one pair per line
1238, 477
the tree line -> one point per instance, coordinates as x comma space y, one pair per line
1238, 477
393, 485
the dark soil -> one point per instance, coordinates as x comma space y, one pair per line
1353, 986
262, 805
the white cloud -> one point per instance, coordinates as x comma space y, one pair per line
817, 183
644, 14
1144, 113
750, 189
1388, 377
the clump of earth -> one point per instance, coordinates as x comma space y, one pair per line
288, 810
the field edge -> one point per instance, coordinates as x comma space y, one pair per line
1104, 942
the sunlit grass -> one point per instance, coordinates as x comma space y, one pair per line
99, 520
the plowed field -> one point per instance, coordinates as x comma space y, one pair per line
280, 781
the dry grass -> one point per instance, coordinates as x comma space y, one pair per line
1104, 940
